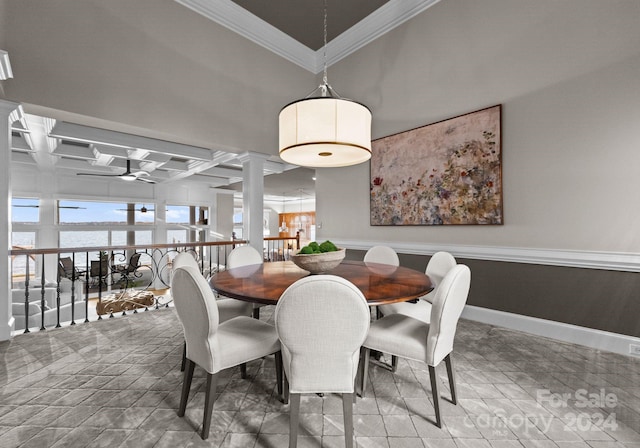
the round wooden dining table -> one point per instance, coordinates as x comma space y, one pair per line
264, 283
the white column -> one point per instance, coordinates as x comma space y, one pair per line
160, 237
7, 117
48, 233
253, 198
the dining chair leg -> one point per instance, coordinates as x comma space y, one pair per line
394, 363
186, 386
436, 394
243, 370
184, 356
256, 313
210, 398
294, 414
365, 371
279, 373
347, 410
286, 389
452, 379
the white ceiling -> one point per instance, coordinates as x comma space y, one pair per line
69, 148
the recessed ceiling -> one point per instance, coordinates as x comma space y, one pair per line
293, 29
303, 20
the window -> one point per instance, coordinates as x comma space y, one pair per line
94, 224
185, 223
25, 211
113, 213
140, 238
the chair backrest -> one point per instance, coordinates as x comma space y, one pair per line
243, 256
185, 259
383, 255
322, 321
65, 267
198, 311
448, 303
439, 265
134, 263
99, 268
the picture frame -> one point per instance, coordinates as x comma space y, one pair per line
444, 173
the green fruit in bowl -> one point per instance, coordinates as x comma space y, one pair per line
315, 248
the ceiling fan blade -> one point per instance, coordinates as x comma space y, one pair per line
74, 207
149, 181
96, 174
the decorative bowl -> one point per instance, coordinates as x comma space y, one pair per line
319, 263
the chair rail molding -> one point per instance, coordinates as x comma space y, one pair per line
612, 261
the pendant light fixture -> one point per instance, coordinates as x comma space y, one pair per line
325, 130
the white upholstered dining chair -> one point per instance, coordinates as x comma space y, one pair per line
430, 343
321, 321
212, 345
227, 308
382, 255
439, 264
245, 256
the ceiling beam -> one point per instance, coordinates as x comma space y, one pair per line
82, 133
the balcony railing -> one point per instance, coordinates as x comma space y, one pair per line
70, 285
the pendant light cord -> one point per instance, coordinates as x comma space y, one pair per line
325, 89
324, 78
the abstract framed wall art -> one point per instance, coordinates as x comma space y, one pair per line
445, 173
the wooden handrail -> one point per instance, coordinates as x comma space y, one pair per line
285, 238
65, 250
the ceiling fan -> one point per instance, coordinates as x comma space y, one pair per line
143, 209
128, 175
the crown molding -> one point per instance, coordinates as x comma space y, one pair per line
389, 16
241, 21
5, 66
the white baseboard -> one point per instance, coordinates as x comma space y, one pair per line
598, 339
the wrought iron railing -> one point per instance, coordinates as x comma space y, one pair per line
59, 286
67, 280
62, 285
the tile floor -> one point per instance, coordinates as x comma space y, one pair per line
116, 383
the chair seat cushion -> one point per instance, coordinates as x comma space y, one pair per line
229, 308
420, 310
399, 335
244, 339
